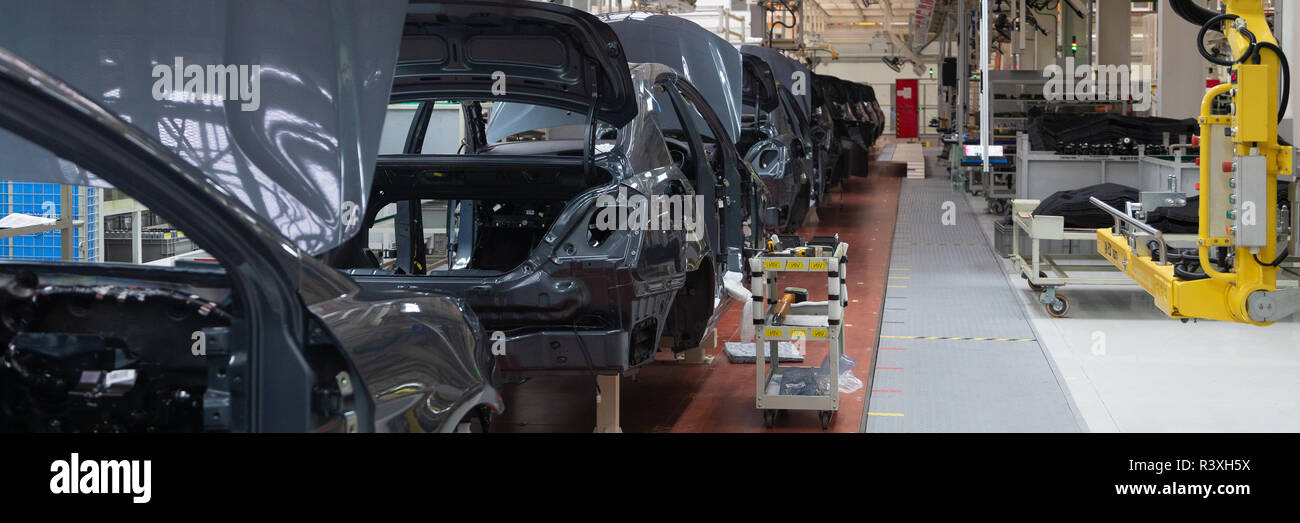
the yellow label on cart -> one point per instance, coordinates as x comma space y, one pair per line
772, 264
794, 265
820, 333
798, 333
817, 266
772, 333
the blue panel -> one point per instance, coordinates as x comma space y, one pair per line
44, 199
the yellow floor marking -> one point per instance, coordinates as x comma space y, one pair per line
885, 414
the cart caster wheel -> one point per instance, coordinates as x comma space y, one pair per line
769, 418
825, 417
994, 207
1058, 308
1032, 286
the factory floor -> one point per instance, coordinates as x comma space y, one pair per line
667, 396
948, 338
1130, 368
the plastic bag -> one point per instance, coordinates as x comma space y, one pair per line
803, 381
848, 382
746, 324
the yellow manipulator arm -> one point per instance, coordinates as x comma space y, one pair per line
1240, 163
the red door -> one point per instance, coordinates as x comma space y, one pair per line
906, 99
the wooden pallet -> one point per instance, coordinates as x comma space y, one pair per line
911, 153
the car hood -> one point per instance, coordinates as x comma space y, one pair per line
711, 64
529, 52
793, 75
279, 103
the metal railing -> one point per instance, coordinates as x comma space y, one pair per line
1120, 216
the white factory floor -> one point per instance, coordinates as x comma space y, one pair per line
1130, 368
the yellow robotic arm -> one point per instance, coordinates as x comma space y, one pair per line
1240, 162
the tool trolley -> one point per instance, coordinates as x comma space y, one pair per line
804, 322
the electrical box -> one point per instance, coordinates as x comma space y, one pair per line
1255, 118
1250, 202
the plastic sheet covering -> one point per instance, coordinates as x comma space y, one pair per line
743, 352
1080, 213
1047, 130
794, 319
848, 382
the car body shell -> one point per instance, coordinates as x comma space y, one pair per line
779, 153
573, 308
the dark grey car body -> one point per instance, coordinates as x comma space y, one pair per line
290, 344
824, 135
852, 142
794, 88
774, 143
564, 300
714, 83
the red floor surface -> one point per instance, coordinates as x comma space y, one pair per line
719, 396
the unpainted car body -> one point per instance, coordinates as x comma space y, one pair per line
795, 89
824, 136
267, 338
557, 292
774, 144
869, 106
849, 128
713, 71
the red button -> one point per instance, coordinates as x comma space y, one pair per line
1198, 186
1227, 167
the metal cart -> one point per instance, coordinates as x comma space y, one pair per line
1048, 272
765, 270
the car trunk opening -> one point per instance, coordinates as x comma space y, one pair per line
471, 216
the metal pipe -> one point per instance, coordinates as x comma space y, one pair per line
985, 110
1120, 216
963, 70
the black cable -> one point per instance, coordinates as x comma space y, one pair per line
794, 21
586, 354
1200, 41
1191, 12
192, 302
1183, 273
1281, 257
1187, 263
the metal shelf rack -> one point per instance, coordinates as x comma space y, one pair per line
765, 270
